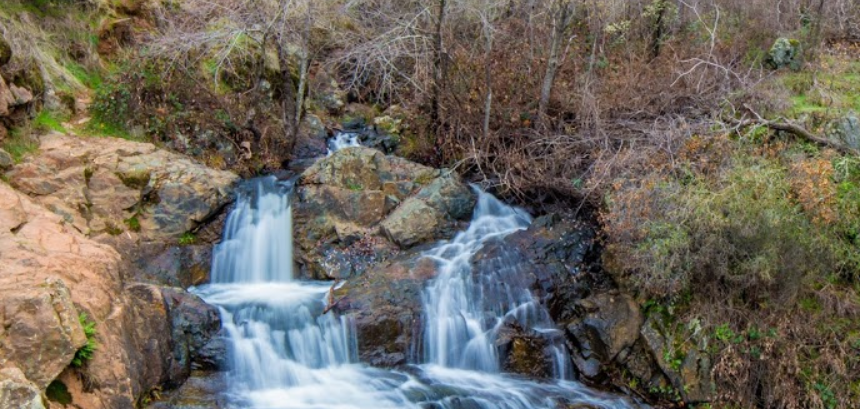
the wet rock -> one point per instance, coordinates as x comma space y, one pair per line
312, 139
17, 392
359, 201
169, 265
524, 352
106, 185
213, 355
203, 390
608, 325
385, 304
194, 325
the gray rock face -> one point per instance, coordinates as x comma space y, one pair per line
359, 206
193, 326
608, 325
17, 392
846, 130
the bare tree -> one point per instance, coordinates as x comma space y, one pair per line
563, 12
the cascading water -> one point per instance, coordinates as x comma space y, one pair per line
284, 352
342, 140
464, 311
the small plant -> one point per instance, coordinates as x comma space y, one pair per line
187, 239
85, 353
133, 223
724, 333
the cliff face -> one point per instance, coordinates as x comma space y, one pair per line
58, 275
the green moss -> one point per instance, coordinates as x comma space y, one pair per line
133, 223
58, 392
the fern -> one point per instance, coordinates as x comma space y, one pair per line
85, 353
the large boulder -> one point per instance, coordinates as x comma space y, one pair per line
385, 304
605, 329
359, 206
51, 274
845, 131
785, 53
113, 186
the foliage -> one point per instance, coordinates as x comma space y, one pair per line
85, 353
757, 235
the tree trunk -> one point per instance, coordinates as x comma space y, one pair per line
288, 102
564, 15
488, 78
304, 66
658, 30
438, 70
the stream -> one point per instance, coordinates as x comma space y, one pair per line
285, 353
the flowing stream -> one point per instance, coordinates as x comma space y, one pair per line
285, 353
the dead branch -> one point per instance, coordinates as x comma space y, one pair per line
784, 125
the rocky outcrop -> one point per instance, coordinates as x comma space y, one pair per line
146, 336
113, 186
360, 206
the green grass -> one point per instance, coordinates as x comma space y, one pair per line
49, 121
90, 78
19, 145
832, 90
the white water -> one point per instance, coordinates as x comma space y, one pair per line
342, 140
465, 311
284, 353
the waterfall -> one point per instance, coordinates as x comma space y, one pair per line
464, 311
285, 353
